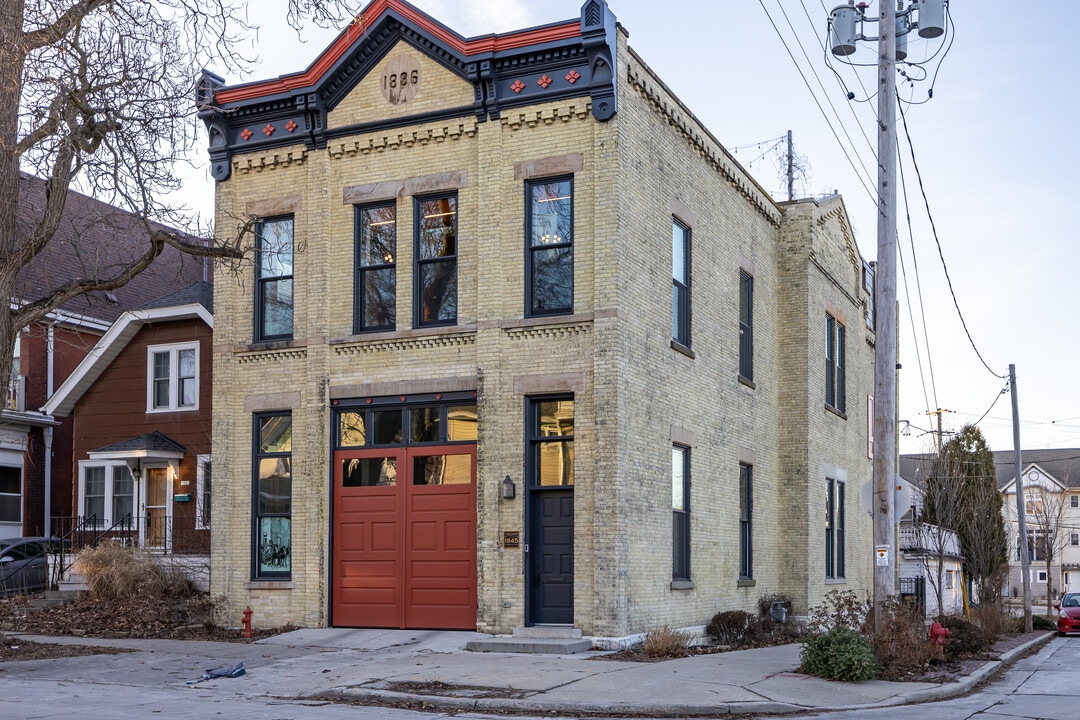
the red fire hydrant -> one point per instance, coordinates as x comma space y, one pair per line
247, 622
938, 636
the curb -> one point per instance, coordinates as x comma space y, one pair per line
763, 707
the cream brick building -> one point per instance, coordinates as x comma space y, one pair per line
487, 371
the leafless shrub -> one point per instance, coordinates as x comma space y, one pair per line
118, 572
666, 642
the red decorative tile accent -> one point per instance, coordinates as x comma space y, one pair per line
246, 134
268, 130
291, 125
544, 81
518, 86
573, 76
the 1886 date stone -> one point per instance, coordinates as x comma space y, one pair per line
401, 79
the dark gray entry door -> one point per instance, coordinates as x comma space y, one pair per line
551, 557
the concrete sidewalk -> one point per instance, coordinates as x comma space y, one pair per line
390, 666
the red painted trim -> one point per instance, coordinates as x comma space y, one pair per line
376, 9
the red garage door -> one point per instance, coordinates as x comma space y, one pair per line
404, 552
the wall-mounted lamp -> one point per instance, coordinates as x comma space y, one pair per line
508, 488
135, 466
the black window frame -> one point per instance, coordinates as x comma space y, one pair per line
746, 521
746, 326
835, 364
535, 440
361, 270
261, 281
531, 250
367, 407
419, 263
680, 290
680, 518
258, 574
835, 528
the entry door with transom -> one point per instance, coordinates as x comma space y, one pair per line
157, 507
550, 467
404, 548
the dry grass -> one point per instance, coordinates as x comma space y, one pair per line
116, 572
666, 643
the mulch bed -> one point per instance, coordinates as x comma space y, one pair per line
182, 618
939, 672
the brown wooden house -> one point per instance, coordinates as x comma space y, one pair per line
141, 407
36, 472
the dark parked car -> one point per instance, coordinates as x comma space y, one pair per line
1069, 614
24, 565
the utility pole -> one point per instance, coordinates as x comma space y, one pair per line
939, 412
790, 169
893, 28
1018, 468
885, 305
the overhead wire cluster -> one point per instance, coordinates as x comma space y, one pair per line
917, 77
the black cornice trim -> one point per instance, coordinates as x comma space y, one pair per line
551, 71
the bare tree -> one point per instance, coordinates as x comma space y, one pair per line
939, 519
96, 96
982, 525
1047, 525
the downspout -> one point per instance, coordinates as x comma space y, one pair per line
48, 432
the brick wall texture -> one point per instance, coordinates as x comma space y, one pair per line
634, 394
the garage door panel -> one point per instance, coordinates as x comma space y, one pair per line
405, 554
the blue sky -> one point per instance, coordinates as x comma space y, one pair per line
994, 146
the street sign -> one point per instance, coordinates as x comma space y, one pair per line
901, 497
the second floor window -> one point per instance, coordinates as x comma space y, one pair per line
274, 279
835, 343
549, 259
680, 283
436, 231
376, 271
173, 373
746, 325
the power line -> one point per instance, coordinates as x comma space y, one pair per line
862, 181
937, 241
918, 285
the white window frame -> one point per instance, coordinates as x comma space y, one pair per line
107, 519
1039, 576
201, 493
14, 460
174, 380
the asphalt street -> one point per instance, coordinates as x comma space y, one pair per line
282, 677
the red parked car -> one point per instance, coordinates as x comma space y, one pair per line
1069, 614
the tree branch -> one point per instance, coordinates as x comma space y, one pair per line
52, 33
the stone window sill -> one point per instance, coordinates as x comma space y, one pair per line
680, 348
269, 585
683, 585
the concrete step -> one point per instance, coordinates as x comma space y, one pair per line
42, 603
550, 632
74, 583
535, 646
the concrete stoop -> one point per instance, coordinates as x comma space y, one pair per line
539, 639
52, 598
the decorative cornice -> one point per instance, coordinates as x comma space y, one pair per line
664, 102
549, 332
271, 356
406, 344
274, 161
547, 116
551, 63
376, 142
